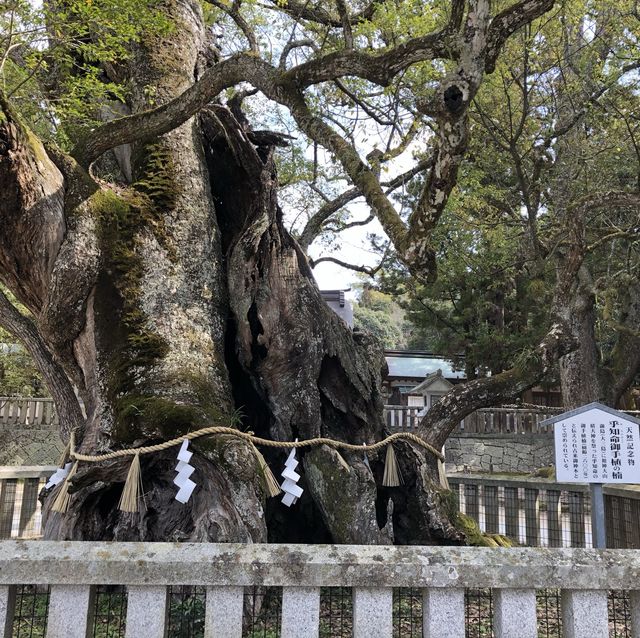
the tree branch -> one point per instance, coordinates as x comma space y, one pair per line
314, 226
32, 223
507, 22
290, 46
319, 15
468, 397
140, 126
25, 331
363, 269
624, 362
234, 13
379, 68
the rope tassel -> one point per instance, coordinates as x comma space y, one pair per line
132, 488
270, 483
61, 504
65, 455
392, 476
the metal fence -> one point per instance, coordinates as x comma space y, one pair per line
539, 513
19, 506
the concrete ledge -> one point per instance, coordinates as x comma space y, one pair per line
514, 481
26, 471
212, 564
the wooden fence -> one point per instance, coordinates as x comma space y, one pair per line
485, 421
27, 411
542, 513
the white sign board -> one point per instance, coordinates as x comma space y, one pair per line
595, 446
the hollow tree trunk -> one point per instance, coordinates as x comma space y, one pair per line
306, 373
172, 302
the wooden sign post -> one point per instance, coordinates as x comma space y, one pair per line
595, 444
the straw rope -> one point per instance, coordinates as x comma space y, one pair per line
247, 436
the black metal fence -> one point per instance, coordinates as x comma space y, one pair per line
262, 607
547, 514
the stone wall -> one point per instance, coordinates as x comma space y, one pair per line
499, 452
24, 444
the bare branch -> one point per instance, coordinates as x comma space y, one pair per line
363, 269
371, 271
290, 46
233, 12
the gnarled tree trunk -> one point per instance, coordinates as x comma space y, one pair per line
173, 301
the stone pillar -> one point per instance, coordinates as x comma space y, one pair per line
300, 612
147, 612
7, 609
584, 614
223, 612
443, 613
372, 612
71, 610
514, 614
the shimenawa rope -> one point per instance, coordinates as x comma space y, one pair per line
129, 502
248, 436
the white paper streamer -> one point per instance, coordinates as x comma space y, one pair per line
59, 476
366, 458
182, 481
292, 491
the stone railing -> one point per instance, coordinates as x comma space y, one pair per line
73, 570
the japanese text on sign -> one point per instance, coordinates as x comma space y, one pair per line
595, 447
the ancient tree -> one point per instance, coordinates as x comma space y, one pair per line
140, 228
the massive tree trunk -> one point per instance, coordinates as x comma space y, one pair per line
172, 302
579, 378
180, 300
